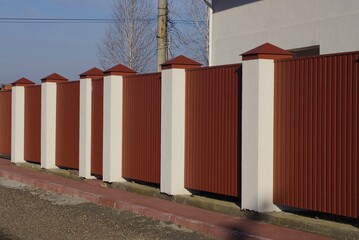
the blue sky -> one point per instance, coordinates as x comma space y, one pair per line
37, 50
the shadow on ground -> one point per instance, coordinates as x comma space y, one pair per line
5, 236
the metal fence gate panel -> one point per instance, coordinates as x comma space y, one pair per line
213, 125
316, 133
142, 127
32, 135
67, 124
97, 127
5, 123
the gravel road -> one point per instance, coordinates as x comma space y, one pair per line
30, 213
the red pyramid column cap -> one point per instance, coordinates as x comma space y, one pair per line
119, 70
266, 51
54, 78
22, 82
92, 73
180, 62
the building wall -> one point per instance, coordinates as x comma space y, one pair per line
240, 25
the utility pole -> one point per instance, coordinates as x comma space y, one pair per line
162, 43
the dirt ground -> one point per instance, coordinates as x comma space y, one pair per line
30, 213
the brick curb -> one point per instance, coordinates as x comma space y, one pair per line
100, 199
207, 222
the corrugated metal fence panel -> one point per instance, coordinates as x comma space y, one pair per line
316, 133
142, 127
67, 124
213, 115
97, 127
32, 141
5, 123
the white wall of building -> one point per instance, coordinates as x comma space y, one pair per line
241, 25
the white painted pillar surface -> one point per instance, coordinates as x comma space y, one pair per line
257, 135
210, 38
258, 126
17, 124
173, 131
48, 125
85, 127
112, 128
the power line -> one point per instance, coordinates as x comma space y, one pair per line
45, 22
56, 19
78, 20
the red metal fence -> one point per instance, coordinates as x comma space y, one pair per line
316, 133
213, 120
32, 141
142, 127
97, 127
5, 123
67, 124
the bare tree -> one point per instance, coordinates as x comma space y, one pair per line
131, 38
195, 36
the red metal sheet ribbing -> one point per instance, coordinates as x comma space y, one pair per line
316, 133
32, 140
142, 127
5, 123
67, 124
97, 127
212, 141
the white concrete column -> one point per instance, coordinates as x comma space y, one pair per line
48, 119
257, 127
257, 135
112, 122
173, 97
173, 131
17, 124
112, 129
85, 127
48, 125
18, 119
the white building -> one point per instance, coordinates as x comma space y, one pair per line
309, 27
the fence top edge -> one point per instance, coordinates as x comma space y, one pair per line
4, 91
97, 79
69, 82
316, 57
214, 67
143, 75
33, 86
